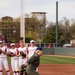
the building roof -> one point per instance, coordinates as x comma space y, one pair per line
38, 12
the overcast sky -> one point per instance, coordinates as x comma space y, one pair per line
12, 8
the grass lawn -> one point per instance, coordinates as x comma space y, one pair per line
56, 60
9, 60
53, 60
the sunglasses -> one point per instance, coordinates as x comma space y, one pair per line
32, 42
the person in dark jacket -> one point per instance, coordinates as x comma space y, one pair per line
33, 62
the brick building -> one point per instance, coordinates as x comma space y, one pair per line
9, 28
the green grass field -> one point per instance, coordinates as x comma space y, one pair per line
56, 60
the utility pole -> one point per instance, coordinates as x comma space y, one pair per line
22, 21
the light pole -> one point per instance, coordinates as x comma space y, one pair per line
22, 21
0, 35
14, 33
56, 23
40, 42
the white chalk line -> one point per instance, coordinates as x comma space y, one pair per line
49, 58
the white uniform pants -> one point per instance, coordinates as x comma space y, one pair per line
4, 62
21, 61
15, 64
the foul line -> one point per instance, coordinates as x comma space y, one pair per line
57, 59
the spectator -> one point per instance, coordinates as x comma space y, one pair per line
49, 45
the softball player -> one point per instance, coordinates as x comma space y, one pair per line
3, 59
14, 59
24, 50
32, 48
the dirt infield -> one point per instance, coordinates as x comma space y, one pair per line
57, 69
54, 69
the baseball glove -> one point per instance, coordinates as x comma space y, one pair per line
23, 70
23, 67
0, 51
10, 54
22, 54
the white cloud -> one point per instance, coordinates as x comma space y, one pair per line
9, 8
66, 8
12, 8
